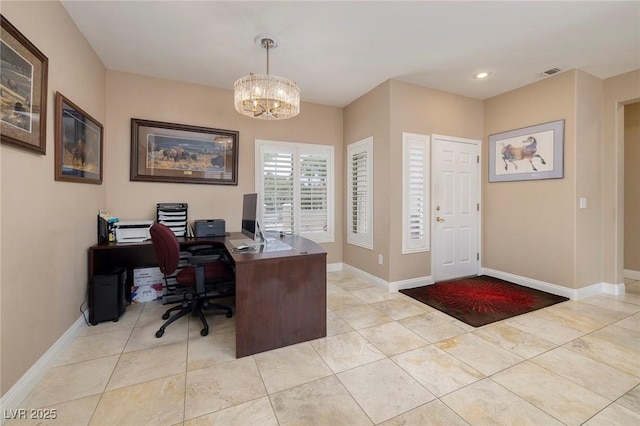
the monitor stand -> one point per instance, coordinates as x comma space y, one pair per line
258, 239
259, 234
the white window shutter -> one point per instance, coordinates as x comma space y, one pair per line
360, 193
415, 193
277, 191
314, 194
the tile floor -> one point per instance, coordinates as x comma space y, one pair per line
386, 360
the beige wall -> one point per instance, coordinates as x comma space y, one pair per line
46, 225
384, 113
573, 247
136, 96
529, 226
632, 187
618, 91
588, 150
367, 116
425, 111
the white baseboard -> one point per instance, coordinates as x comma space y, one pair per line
411, 283
21, 389
571, 293
378, 282
531, 283
599, 288
630, 274
392, 286
334, 267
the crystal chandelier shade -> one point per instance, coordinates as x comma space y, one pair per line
265, 96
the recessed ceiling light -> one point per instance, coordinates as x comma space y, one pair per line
481, 75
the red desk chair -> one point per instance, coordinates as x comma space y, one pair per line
206, 277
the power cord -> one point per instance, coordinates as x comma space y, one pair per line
86, 300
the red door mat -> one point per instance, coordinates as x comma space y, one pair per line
478, 301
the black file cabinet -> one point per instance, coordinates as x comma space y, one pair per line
107, 297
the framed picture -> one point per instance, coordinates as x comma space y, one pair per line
79, 146
23, 91
535, 152
179, 153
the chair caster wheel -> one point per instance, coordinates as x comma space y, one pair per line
204, 332
116, 320
159, 333
166, 316
229, 314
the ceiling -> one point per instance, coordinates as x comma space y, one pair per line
338, 51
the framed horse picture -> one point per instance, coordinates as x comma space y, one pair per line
530, 153
78, 140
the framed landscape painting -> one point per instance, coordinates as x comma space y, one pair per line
79, 137
23, 91
180, 153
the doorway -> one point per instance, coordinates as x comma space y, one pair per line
455, 207
631, 236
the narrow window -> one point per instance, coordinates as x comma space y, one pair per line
415, 192
360, 193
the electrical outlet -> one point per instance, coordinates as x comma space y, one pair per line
583, 202
380, 259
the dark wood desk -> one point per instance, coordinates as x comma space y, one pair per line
281, 296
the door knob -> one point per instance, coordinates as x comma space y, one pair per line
439, 219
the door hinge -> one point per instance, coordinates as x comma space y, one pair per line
478, 207
478, 159
477, 256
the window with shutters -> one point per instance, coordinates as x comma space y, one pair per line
295, 184
360, 193
415, 193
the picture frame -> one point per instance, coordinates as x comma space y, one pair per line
78, 143
23, 91
181, 153
530, 153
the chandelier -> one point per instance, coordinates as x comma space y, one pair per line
264, 96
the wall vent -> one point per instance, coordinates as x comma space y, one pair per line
552, 71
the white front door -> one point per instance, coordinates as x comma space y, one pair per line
455, 207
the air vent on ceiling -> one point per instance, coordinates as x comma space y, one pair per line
552, 71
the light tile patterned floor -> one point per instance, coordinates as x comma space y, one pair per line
387, 359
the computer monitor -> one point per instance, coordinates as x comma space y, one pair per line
250, 224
